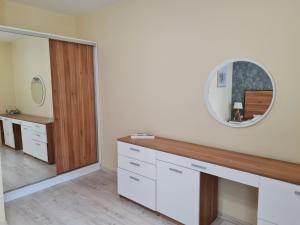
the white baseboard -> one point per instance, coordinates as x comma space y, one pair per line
21, 192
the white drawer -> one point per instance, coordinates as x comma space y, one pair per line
137, 188
279, 202
41, 128
15, 121
137, 152
37, 136
6, 119
220, 171
232, 174
39, 150
145, 169
25, 128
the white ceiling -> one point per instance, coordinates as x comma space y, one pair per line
72, 7
9, 37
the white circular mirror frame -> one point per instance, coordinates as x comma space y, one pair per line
43, 88
209, 80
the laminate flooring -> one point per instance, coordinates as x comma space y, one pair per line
19, 169
88, 200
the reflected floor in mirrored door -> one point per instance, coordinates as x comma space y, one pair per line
19, 169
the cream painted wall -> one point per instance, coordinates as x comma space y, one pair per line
31, 57
7, 95
27, 17
156, 56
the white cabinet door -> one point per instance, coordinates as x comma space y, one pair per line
8, 133
279, 202
178, 193
27, 140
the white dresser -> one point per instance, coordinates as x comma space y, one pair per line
170, 184
137, 174
34, 139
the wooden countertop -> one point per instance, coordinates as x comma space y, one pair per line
280, 170
29, 118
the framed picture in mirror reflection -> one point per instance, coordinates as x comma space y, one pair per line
222, 78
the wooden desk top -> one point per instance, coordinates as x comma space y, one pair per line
29, 118
280, 170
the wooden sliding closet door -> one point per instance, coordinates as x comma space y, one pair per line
73, 104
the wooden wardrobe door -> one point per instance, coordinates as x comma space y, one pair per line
73, 105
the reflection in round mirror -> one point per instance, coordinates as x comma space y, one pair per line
38, 91
239, 93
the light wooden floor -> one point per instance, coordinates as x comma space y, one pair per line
19, 169
89, 200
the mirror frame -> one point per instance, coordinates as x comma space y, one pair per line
44, 90
209, 80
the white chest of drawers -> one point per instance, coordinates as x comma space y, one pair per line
160, 186
35, 141
35, 138
170, 184
137, 174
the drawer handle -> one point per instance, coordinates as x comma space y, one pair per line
297, 193
134, 149
37, 144
37, 126
198, 166
135, 164
134, 178
38, 135
174, 170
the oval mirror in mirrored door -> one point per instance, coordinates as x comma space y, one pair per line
38, 90
239, 93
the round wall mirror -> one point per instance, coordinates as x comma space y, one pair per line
239, 92
38, 90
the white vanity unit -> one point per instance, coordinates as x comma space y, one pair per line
30, 133
166, 176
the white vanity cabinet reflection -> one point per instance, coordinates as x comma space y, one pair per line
34, 139
279, 203
8, 133
26, 138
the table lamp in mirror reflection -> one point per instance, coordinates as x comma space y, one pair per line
237, 114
